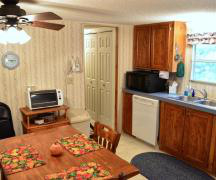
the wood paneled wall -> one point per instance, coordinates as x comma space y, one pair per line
183, 82
125, 63
44, 63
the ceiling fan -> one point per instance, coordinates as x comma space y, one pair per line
11, 15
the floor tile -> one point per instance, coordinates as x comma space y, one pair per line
130, 146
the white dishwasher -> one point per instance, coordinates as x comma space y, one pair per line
145, 119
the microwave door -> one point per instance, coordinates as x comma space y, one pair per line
44, 99
141, 83
129, 81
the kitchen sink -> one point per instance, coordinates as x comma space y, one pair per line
185, 98
196, 100
211, 103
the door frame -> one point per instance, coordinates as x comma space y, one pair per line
105, 27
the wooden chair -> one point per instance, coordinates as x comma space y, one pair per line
106, 136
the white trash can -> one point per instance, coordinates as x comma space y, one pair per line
80, 120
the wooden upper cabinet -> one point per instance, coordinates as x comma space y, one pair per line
127, 113
160, 46
171, 127
156, 45
197, 137
142, 45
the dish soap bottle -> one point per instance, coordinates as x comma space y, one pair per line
186, 91
190, 90
193, 92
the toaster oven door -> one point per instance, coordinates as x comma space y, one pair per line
46, 98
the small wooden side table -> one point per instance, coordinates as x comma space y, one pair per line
28, 127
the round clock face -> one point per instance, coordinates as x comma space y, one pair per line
10, 60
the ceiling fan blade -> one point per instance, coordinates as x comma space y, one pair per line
42, 16
47, 25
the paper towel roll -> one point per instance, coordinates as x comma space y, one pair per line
164, 74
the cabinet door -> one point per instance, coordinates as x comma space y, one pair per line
127, 113
142, 38
197, 137
172, 119
160, 46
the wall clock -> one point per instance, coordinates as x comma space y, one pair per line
10, 60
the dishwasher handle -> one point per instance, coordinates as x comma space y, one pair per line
144, 101
147, 103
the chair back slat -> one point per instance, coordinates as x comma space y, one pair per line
100, 140
106, 136
104, 143
109, 146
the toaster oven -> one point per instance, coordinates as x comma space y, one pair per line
44, 99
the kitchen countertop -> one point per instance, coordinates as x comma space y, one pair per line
164, 96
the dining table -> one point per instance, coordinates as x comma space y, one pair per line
118, 168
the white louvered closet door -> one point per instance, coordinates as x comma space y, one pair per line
91, 75
105, 85
100, 76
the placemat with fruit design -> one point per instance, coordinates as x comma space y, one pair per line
20, 159
86, 171
79, 144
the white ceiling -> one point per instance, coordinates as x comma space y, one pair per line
200, 13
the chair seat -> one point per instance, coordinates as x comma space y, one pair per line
159, 166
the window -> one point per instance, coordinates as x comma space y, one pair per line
204, 63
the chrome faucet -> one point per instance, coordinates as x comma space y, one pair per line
203, 92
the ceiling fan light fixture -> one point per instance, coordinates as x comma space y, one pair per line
2, 37
14, 35
24, 37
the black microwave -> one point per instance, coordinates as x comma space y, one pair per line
145, 81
